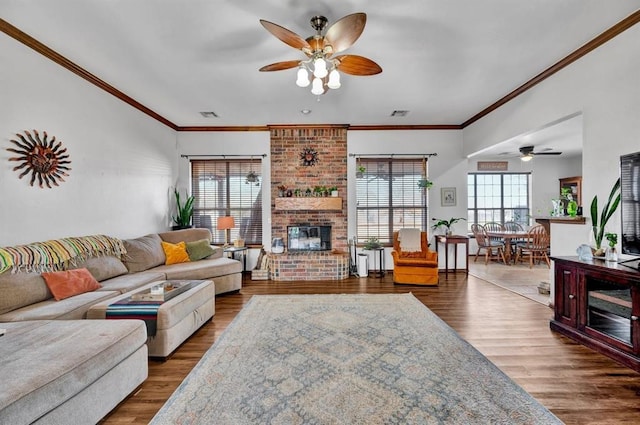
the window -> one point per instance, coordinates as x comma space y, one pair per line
228, 188
389, 197
498, 197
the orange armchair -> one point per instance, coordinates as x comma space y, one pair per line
415, 268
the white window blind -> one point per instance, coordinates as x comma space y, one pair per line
389, 197
221, 188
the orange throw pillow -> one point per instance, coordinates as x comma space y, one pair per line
68, 283
175, 253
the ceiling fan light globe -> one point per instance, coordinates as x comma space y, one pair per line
526, 158
316, 87
334, 80
320, 68
303, 78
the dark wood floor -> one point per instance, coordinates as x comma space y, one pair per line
577, 384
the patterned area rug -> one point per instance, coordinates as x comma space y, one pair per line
346, 359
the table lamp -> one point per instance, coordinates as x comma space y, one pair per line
226, 223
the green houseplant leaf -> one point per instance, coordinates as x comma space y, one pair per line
607, 211
184, 212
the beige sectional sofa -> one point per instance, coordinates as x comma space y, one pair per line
57, 367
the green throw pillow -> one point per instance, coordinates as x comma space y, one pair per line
199, 249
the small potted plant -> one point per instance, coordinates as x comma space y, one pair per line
424, 183
252, 177
446, 223
334, 191
611, 254
360, 171
372, 243
184, 212
282, 190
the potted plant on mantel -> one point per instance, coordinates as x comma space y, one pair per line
184, 212
446, 223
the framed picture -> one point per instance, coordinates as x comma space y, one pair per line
448, 196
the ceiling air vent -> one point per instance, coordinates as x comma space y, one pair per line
399, 113
209, 114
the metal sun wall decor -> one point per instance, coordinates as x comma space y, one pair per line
44, 158
309, 157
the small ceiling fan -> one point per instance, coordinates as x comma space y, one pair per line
527, 153
321, 65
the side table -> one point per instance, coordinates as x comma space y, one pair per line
380, 252
231, 252
453, 240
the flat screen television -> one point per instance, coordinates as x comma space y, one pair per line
630, 203
309, 238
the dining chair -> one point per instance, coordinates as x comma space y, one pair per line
494, 226
514, 226
484, 242
535, 247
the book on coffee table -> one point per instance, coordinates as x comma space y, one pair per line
163, 291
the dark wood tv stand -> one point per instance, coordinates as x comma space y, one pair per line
598, 305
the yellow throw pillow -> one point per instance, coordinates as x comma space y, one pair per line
175, 253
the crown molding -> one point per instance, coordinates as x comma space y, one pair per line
615, 30
601, 39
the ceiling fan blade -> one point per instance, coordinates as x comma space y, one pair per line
279, 66
344, 32
357, 65
286, 36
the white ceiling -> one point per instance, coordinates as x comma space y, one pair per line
443, 60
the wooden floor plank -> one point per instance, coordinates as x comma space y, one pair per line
577, 384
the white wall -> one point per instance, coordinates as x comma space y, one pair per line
123, 162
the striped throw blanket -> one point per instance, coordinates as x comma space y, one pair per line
58, 254
142, 310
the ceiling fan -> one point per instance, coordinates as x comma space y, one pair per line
527, 153
321, 65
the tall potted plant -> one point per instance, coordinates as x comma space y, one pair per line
184, 212
609, 208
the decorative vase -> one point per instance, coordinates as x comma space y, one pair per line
572, 208
611, 254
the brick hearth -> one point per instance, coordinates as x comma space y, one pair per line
309, 266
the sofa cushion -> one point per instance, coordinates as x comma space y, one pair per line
186, 235
200, 249
131, 281
204, 269
143, 253
175, 253
21, 289
46, 363
75, 307
65, 284
103, 267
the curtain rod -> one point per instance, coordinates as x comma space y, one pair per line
224, 156
364, 155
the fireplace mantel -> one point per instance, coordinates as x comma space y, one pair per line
309, 203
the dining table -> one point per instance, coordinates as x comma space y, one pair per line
508, 236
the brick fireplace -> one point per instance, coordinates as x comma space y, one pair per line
287, 168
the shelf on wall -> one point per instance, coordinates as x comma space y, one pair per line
309, 203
